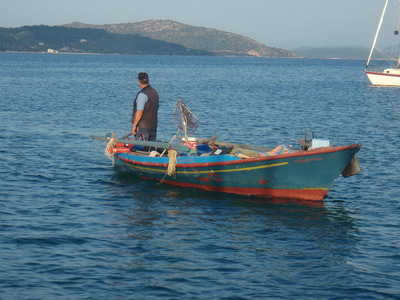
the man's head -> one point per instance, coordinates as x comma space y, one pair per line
143, 78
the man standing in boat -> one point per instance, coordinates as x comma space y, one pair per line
145, 109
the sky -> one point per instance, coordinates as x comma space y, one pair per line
287, 24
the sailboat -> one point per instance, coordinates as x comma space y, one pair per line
388, 76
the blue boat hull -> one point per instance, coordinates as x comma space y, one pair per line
306, 175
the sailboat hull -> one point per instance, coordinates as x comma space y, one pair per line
389, 77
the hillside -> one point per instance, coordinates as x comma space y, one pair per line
201, 38
85, 40
348, 52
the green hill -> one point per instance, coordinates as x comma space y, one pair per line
206, 39
85, 40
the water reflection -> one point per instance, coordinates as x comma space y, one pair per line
153, 208
173, 235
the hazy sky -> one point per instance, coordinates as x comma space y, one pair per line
279, 23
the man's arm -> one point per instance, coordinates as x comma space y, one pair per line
138, 117
141, 102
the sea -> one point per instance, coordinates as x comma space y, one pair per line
73, 227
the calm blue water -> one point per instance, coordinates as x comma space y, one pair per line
71, 228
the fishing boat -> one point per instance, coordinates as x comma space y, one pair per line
208, 164
387, 76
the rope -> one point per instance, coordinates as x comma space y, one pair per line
171, 171
109, 148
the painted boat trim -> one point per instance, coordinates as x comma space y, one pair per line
314, 194
135, 165
147, 168
383, 79
382, 74
233, 160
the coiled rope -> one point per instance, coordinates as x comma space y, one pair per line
171, 171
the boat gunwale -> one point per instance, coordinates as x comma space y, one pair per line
323, 150
380, 73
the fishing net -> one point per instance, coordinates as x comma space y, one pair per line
185, 119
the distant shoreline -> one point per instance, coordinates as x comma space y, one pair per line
251, 57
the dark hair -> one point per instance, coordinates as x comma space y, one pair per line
143, 77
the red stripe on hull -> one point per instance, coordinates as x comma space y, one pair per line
382, 74
306, 194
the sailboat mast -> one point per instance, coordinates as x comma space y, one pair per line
377, 33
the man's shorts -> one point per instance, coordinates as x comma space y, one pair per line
146, 134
